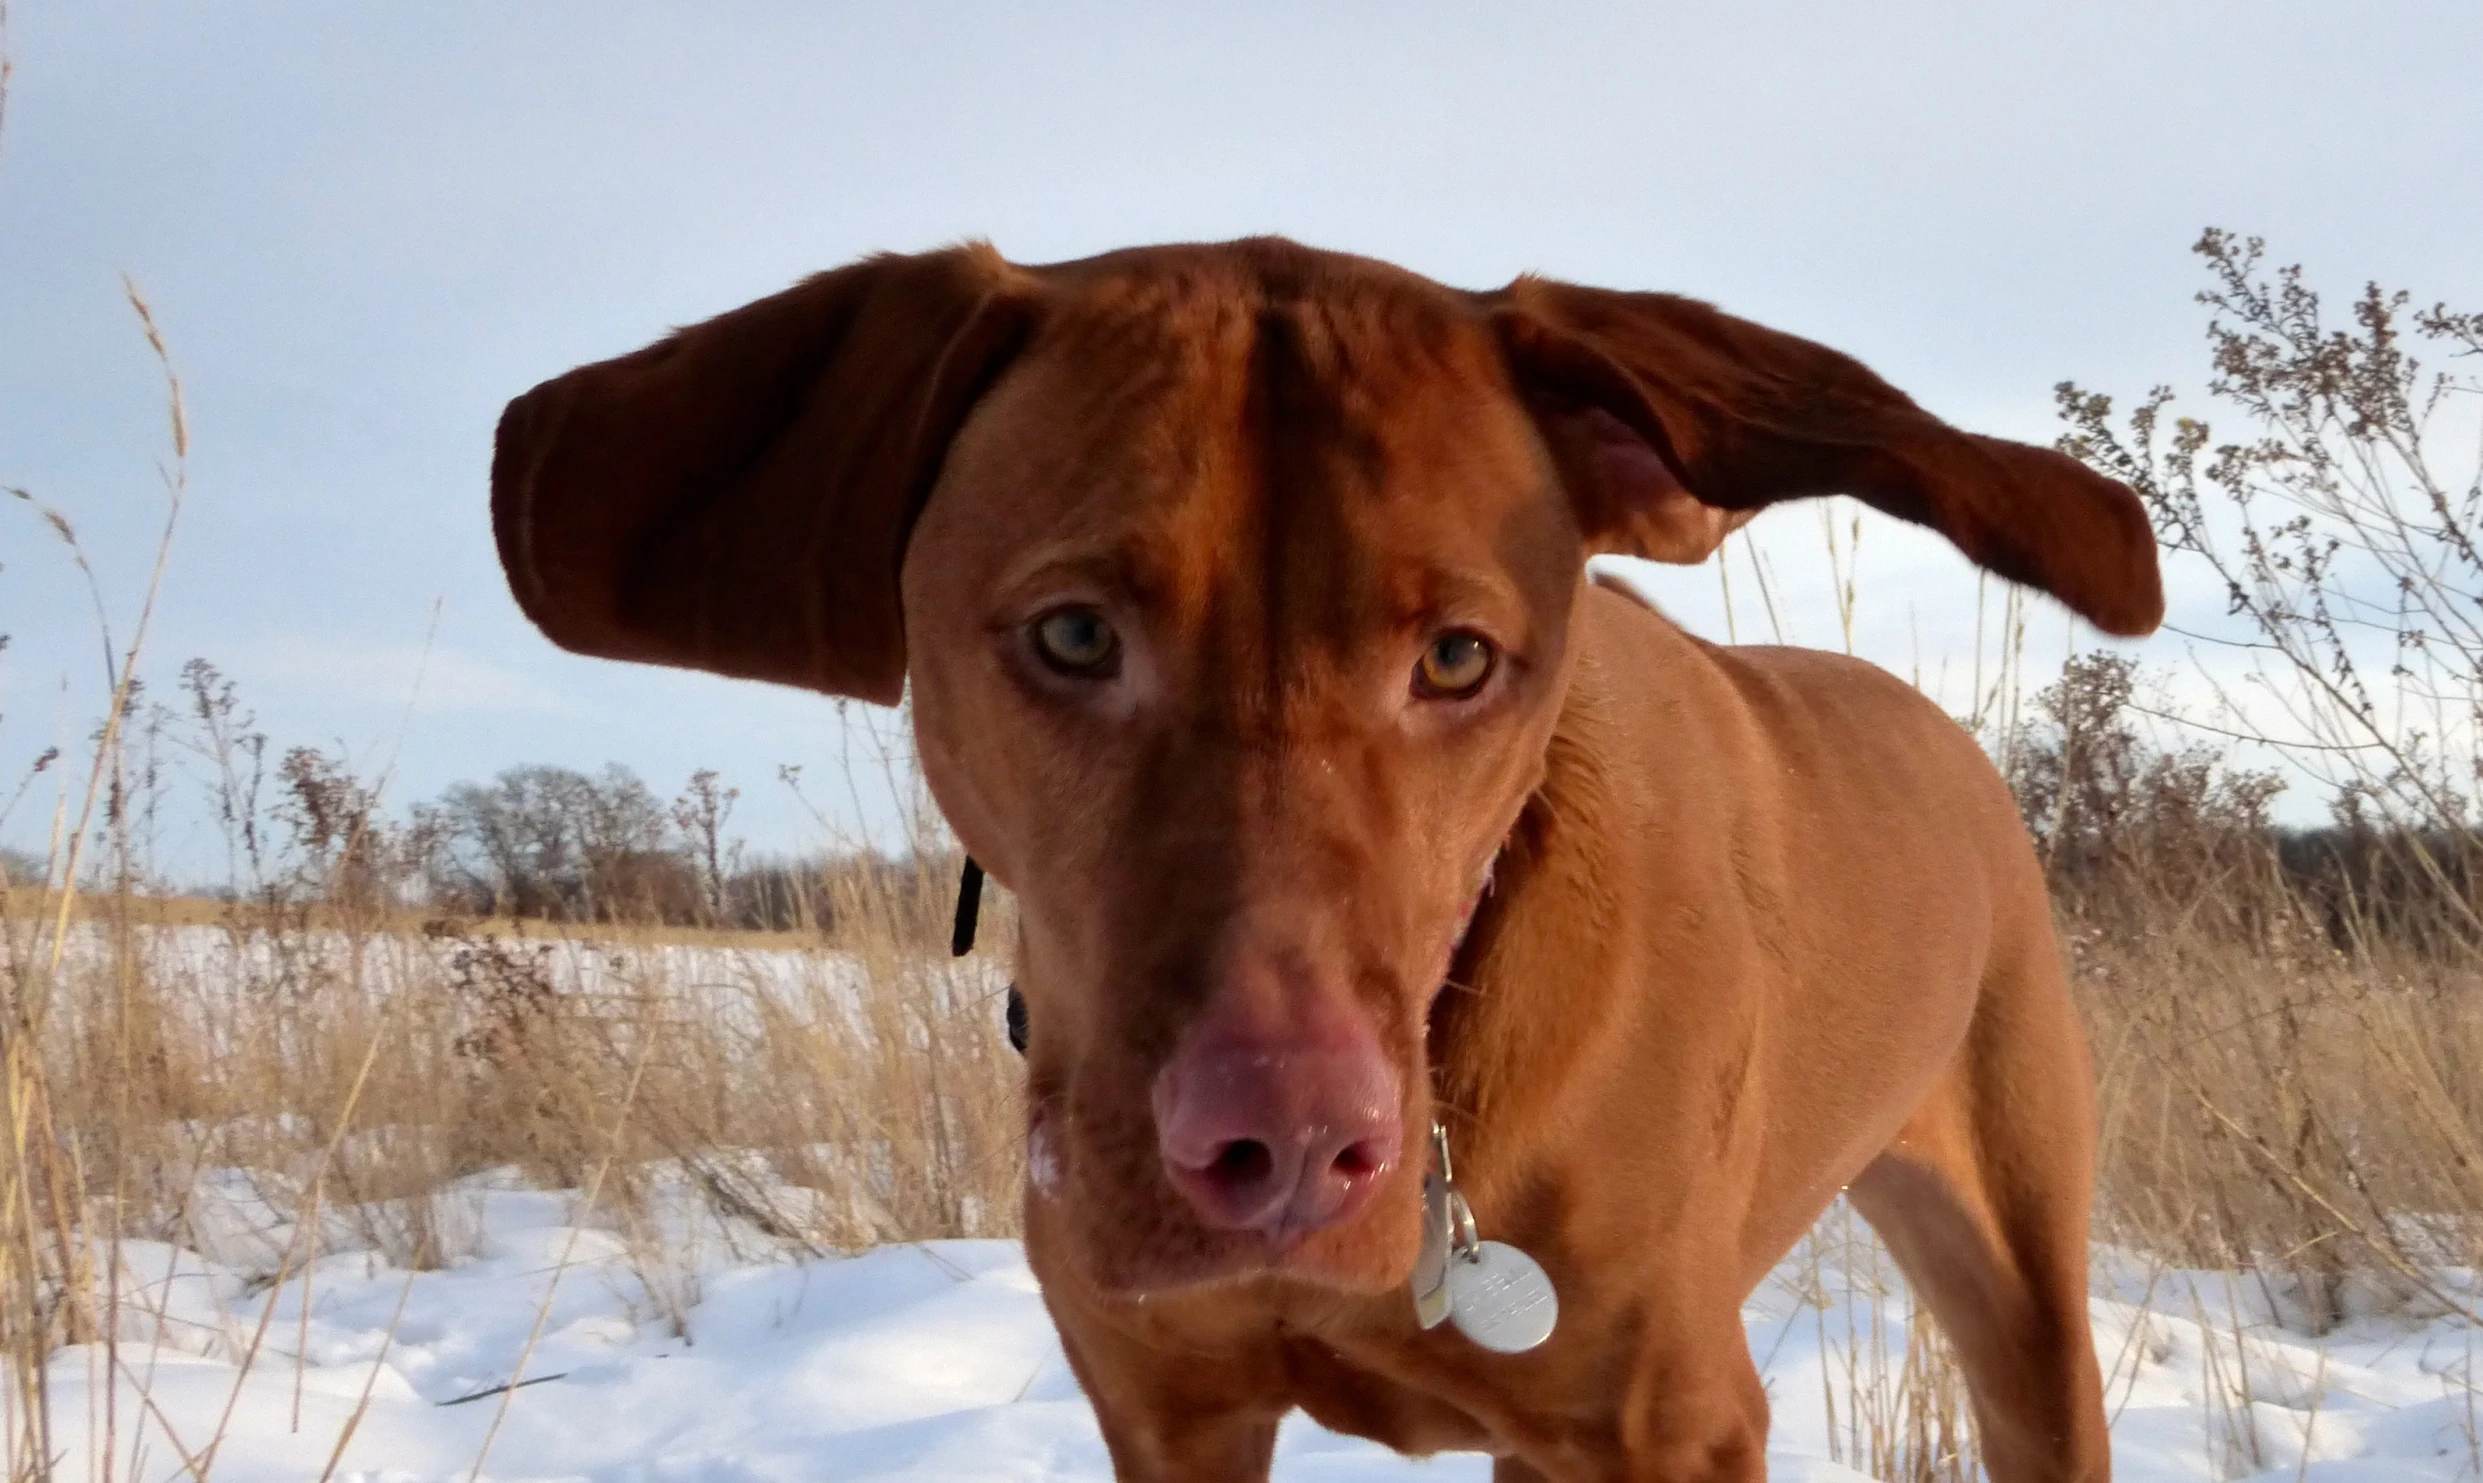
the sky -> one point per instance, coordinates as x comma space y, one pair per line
363, 229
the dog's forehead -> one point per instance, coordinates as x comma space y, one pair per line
1269, 341
1318, 421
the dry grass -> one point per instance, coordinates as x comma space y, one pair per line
2281, 1101
825, 1094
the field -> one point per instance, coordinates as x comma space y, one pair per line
747, 1199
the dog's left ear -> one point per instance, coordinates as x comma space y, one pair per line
1673, 423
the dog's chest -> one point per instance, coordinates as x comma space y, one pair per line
1365, 1392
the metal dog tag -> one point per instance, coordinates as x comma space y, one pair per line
1497, 1294
1431, 1263
1501, 1298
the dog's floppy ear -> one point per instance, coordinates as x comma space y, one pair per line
737, 497
1673, 423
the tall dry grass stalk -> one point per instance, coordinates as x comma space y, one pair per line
1891, 1393
45, 1196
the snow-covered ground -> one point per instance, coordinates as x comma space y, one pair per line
719, 1363
218, 960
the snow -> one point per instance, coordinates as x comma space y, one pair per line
728, 979
695, 1355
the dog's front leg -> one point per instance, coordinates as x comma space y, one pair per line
1195, 1449
1681, 1403
1163, 1448
1172, 1414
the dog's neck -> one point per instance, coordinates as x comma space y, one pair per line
1540, 936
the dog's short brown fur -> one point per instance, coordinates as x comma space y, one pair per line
1765, 924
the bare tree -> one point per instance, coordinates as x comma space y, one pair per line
552, 842
224, 736
700, 813
2344, 528
2110, 807
345, 846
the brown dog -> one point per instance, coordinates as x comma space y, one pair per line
1240, 588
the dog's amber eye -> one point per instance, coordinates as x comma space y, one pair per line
1077, 641
1454, 667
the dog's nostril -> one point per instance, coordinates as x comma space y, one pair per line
1282, 1138
1242, 1162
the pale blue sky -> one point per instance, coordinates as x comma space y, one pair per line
365, 227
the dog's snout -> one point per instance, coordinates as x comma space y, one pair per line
1279, 1137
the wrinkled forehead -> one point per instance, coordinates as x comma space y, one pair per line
1180, 436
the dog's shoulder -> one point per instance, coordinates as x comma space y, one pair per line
1841, 693
1769, 703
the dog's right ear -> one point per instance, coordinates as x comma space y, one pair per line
737, 497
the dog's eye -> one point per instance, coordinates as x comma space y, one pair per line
1454, 667
1077, 642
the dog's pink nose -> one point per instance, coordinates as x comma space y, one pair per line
1278, 1138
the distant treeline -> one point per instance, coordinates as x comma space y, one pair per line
301, 826
2116, 817
553, 843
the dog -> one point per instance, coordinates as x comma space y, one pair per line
1241, 594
